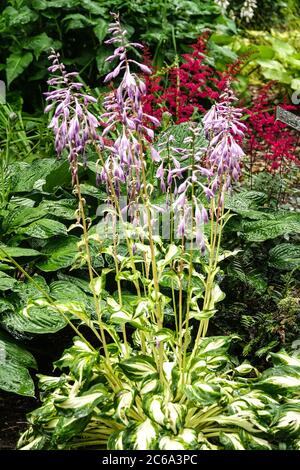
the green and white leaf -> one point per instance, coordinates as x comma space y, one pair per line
139, 368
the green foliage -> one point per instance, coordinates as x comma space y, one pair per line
36, 212
15, 361
29, 28
222, 406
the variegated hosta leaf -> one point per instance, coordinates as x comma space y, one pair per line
252, 442
217, 362
255, 399
80, 359
245, 369
124, 400
203, 393
174, 416
296, 444
204, 444
47, 382
244, 419
167, 414
149, 386
44, 414
168, 369
83, 405
231, 441
68, 427
153, 407
287, 421
141, 436
283, 358
214, 345
281, 379
189, 436
27, 442
139, 368
115, 441
173, 443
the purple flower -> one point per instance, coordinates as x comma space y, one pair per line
73, 125
124, 116
224, 129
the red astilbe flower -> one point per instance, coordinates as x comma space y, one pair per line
191, 86
270, 140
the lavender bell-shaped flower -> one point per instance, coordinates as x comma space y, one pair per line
124, 113
224, 129
74, 126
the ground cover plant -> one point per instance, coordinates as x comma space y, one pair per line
159, 250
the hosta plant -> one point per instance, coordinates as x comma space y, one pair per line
146, 376
221, 405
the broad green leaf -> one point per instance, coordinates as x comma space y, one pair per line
115, 441
67, 291
274, 70
15, 378
89, 190
61, 253
215, 344
216, 294
94, 8
262, 230
16, 252
14, 361
6, 282
246, 200
77, 21
285, 256
149, 386
14, 352
100, 30
295, 83
245, 369
189, 437
282, 48
280, 378
44, 229
40, 4
175, 414
58, 176
244, 419
139, 368
20, 216
17, 17
41, 43
16, 63
35, 318
29, 174
63, 209
35, 444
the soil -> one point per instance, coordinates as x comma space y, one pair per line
13, 410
